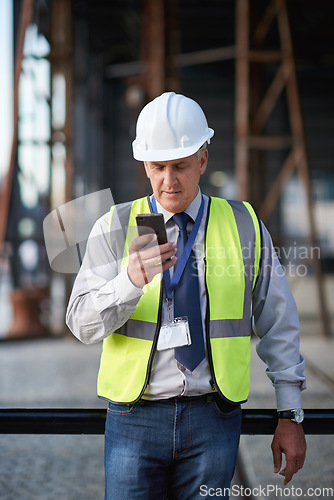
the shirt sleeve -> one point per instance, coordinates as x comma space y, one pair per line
103, 298
276, 323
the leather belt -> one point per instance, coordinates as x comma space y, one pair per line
222, 404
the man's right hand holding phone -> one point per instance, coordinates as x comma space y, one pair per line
147, 258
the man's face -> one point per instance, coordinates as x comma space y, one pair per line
175, 182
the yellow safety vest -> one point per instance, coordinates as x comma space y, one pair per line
232, 256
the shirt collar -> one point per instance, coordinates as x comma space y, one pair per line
192, 209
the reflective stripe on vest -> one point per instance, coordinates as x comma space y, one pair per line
232, 248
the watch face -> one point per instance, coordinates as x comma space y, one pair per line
299, 415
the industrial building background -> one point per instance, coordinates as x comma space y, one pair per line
263, 73
262, 70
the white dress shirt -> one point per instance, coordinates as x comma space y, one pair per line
103, 299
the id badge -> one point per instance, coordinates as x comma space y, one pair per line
174, 334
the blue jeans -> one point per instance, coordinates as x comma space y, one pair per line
172, 449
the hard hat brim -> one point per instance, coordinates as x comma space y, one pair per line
169, 154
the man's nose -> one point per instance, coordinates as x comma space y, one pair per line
170, 178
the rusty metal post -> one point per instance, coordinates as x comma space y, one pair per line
61, 62
301, 155
154, 47
25, 302
157, 65
249, 133
242, 99
61, 59
25, 19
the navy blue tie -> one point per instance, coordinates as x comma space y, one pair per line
186, 301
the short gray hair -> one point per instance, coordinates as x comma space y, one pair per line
199, 151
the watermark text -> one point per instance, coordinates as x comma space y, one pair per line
267, 491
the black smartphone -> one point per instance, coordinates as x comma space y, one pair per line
152, 223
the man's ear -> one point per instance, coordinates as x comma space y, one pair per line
147, 170
203, 161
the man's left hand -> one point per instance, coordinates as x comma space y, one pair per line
288, 439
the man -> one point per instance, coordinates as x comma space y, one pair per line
174, 416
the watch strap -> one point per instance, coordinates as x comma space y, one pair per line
286, 414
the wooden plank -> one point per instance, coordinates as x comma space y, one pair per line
276, 188
265, 56
269, 100
204, 56
270, 142
265, 24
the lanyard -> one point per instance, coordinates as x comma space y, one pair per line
171, 284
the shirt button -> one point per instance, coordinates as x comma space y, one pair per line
182, 368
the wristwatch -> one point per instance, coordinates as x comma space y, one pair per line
296, 415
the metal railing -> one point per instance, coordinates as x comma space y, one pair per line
92, 421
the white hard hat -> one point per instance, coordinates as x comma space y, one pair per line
170, 127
